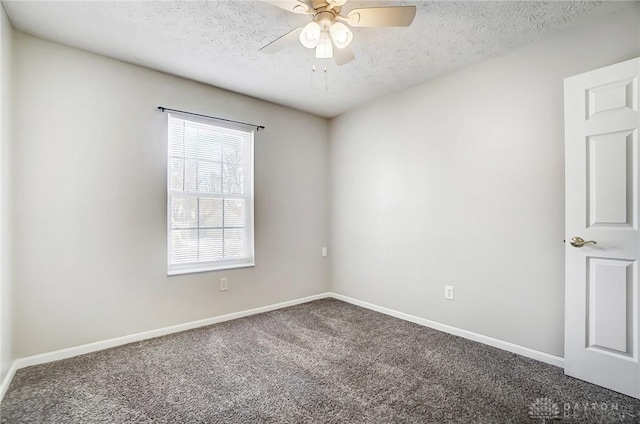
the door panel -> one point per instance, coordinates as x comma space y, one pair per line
610, 291
611, 189
608, 97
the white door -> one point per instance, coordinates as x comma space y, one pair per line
602, 173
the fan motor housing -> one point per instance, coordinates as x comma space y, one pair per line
320, 6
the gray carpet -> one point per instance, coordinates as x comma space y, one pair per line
321, 362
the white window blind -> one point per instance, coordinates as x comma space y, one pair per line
210, 196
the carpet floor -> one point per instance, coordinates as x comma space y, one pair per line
321, 362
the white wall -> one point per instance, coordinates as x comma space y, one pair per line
461, 181
6, 43
90, 223
457, 181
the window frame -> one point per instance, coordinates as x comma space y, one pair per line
247, 197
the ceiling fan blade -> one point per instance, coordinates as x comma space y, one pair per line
294, 6
399, 16
342, 56
282, 42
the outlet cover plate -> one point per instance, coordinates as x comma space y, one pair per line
449, 293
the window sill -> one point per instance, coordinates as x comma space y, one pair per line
186, 270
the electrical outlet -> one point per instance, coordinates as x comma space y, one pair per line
448, 292
324, 251
224, 284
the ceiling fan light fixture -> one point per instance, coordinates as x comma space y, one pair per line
327, 33
310, 35
341, 35
324, 50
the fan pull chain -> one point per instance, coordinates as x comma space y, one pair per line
313, 73
326, 79
325, 71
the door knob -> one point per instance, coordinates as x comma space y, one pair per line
579, 242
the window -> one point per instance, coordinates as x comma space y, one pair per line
210, 196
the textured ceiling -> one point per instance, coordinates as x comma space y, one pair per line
217, 42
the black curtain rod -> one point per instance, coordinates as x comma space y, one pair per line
258, 127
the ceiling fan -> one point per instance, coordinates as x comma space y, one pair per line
328, 32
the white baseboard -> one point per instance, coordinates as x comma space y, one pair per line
510, 347
119, 341
7, 379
